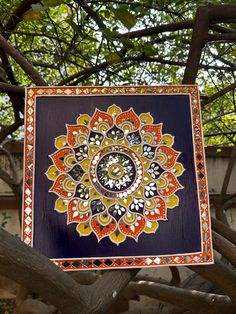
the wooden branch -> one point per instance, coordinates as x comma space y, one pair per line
219, 94
223, 230
107, 288
199, 302
219, 133
15, 18
222, 37
9, 88
32, 306
224, 247
25, 65
171, 27
222, 13
12, 164
8, 129
175, 280
82, 75
228, 174
221, 276
92, 14
199, 36
33, 270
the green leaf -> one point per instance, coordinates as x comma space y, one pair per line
52, 3
149, 50
110, 34
113, 58
37, 7
127, 43
125, 17
73, 25
30, 15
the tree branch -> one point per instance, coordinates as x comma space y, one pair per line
224, 247
219, 94
223, 230
15, 18
199, 36
199, 302
9, 88
25, 65
31, 269
221, 276
6, 130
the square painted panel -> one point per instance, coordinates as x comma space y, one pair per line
115, 177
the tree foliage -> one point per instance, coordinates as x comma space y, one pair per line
79, 42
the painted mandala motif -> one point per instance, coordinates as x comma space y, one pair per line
115, 174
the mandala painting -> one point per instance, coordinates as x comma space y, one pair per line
115, 174
115, 177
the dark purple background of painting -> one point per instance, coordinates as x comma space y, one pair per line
55, 239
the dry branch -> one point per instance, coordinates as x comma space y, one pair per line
25, 65
223, 230
225, 247
220, 275
197, 301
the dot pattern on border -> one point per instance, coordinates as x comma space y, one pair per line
115, 174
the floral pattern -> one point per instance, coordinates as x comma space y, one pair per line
115, 174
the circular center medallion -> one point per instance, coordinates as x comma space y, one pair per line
116, 171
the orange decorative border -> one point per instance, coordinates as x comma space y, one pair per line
203, 257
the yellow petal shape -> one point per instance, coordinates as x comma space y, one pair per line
60, 141
151, 226
139, 192
86, 180
85, 164
94, 194
146, 118
162, 182
82, 139
125, 201
172, 201
145, 162
83, 119
137, 149
107, 142
108, 201
179, 169
117, 239
123, 142
83, 206
167, 140
83, 229
60, 205
69, 184
70, 160
93, 150
150, 204
114, 110
147, 178
52, 173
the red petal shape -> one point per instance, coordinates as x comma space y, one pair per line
72, 133
100, 230
133, 230
173, 184
59, 189
170, 154
100, 117
73, 215
128, 116
156, 132
158, 213
59, 157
